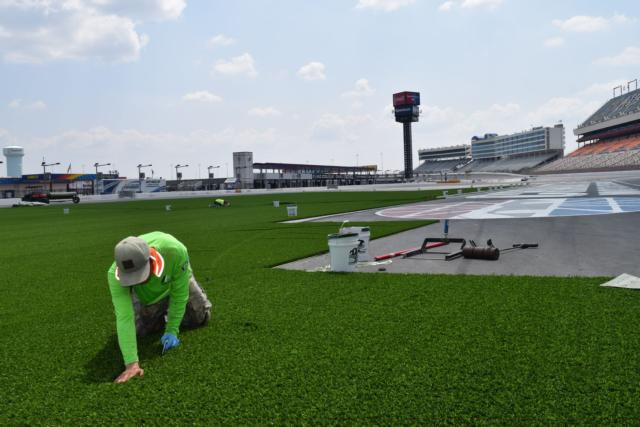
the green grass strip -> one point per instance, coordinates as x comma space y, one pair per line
290, 347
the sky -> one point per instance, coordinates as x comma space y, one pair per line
167, 82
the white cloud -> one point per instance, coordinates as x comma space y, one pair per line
312, 71
19, 104
340, 128
264, 112
362, 88
158, 148
385, 5
446, 6
158, 10
562, 108
37, 105
447, 126
601, 90
221, 40
201, 96
554, 42
42, 31
590, 24
491, 4
434, 115
449, 5
243, 64
629, 56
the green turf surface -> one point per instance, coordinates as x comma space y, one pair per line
287, 347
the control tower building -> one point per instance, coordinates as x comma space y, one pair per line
406, 106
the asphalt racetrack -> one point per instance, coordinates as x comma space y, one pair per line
586, 225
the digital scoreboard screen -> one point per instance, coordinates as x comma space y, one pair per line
406, 99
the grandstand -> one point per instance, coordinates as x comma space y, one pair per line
443, 159
516, 152
611, 137
513, 164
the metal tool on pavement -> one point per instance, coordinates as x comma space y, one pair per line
430, 242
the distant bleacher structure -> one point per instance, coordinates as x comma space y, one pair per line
610, 136
443, 159
517, 152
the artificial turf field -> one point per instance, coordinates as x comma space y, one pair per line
288, 347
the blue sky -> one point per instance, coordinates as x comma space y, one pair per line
178, 81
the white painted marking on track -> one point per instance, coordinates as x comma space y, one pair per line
607, 188
553, 205
615, 207
547, 200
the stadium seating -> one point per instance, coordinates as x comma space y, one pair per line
514, 164
601, 160
610, 146
437, 166
617, 146
622, 105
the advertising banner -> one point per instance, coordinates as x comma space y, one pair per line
115, 186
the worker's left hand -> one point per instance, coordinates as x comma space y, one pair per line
169, 341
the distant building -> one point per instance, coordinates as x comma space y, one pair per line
19, 186
248, 174
285, 175
443, 159
536, 141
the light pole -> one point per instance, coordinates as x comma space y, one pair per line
97, 165
209, 168
45, 165
141, 175
44, 172
179, 174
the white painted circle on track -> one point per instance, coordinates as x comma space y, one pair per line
518, 208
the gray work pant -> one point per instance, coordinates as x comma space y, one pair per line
152, 318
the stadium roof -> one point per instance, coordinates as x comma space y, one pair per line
321, 168
617, 111
612, 132
460, 147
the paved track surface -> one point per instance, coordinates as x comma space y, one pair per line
604, 245
586, 225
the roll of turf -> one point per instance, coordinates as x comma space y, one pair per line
488, 253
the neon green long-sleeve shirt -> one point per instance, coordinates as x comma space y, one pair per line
169, 278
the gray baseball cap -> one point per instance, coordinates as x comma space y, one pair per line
132, 258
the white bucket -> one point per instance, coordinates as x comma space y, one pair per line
276, 203
65, 211
444, 194
364, 234
292, 210
343, 250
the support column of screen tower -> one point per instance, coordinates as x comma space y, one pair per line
407, 110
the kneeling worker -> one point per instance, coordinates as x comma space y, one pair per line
220, 203
151, 284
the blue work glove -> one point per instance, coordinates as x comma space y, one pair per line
169, 341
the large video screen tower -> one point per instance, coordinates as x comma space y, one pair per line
406, 106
